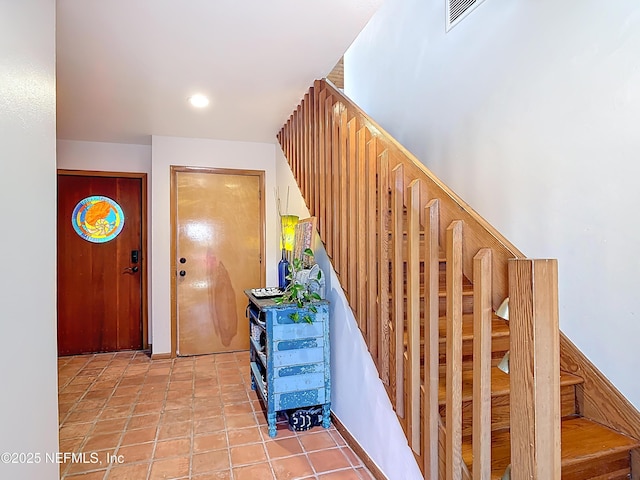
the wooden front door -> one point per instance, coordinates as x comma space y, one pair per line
99, 271
218, 254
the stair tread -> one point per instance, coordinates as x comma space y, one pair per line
467, 291
582, 441
583, 438
499, 327
499, 384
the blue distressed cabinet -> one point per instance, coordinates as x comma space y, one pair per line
289, 361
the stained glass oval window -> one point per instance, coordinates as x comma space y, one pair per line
97, 219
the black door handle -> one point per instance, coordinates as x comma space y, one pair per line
130, 270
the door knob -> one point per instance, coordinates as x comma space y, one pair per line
183, 260
182, 273
130, 270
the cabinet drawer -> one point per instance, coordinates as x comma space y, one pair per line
283, 345
298, 369
298, 383
286, 401
297, 330
298, 357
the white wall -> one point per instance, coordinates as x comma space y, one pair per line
29, 399
106, 157
529, 110
358, 397
167, 151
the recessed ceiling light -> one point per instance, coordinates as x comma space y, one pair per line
198, 100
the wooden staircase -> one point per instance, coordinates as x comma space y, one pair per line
589, 450
424, 274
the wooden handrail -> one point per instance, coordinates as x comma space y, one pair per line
387, 224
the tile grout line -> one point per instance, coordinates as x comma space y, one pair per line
79, 400
75, 375
101, 409
162, 410
201, 375
126, 424
192, 417
248, 388
226, 426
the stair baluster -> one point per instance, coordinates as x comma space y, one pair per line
482, 313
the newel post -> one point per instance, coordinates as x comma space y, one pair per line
535, 369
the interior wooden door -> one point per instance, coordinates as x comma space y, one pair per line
219, 245
99, 275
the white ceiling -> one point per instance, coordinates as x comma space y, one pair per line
125, 68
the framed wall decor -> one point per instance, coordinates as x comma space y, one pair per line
305, 230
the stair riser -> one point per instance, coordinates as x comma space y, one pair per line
499, 346
610, 467
467, 305
500, 410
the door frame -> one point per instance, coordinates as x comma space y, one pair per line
144, 299
173, 211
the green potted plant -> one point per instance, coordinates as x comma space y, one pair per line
302, 294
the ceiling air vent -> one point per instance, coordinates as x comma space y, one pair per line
458, 9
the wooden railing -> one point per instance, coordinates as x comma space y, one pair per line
389, 224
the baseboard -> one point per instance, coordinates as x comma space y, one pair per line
358, 450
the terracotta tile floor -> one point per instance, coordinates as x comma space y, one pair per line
127, 417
